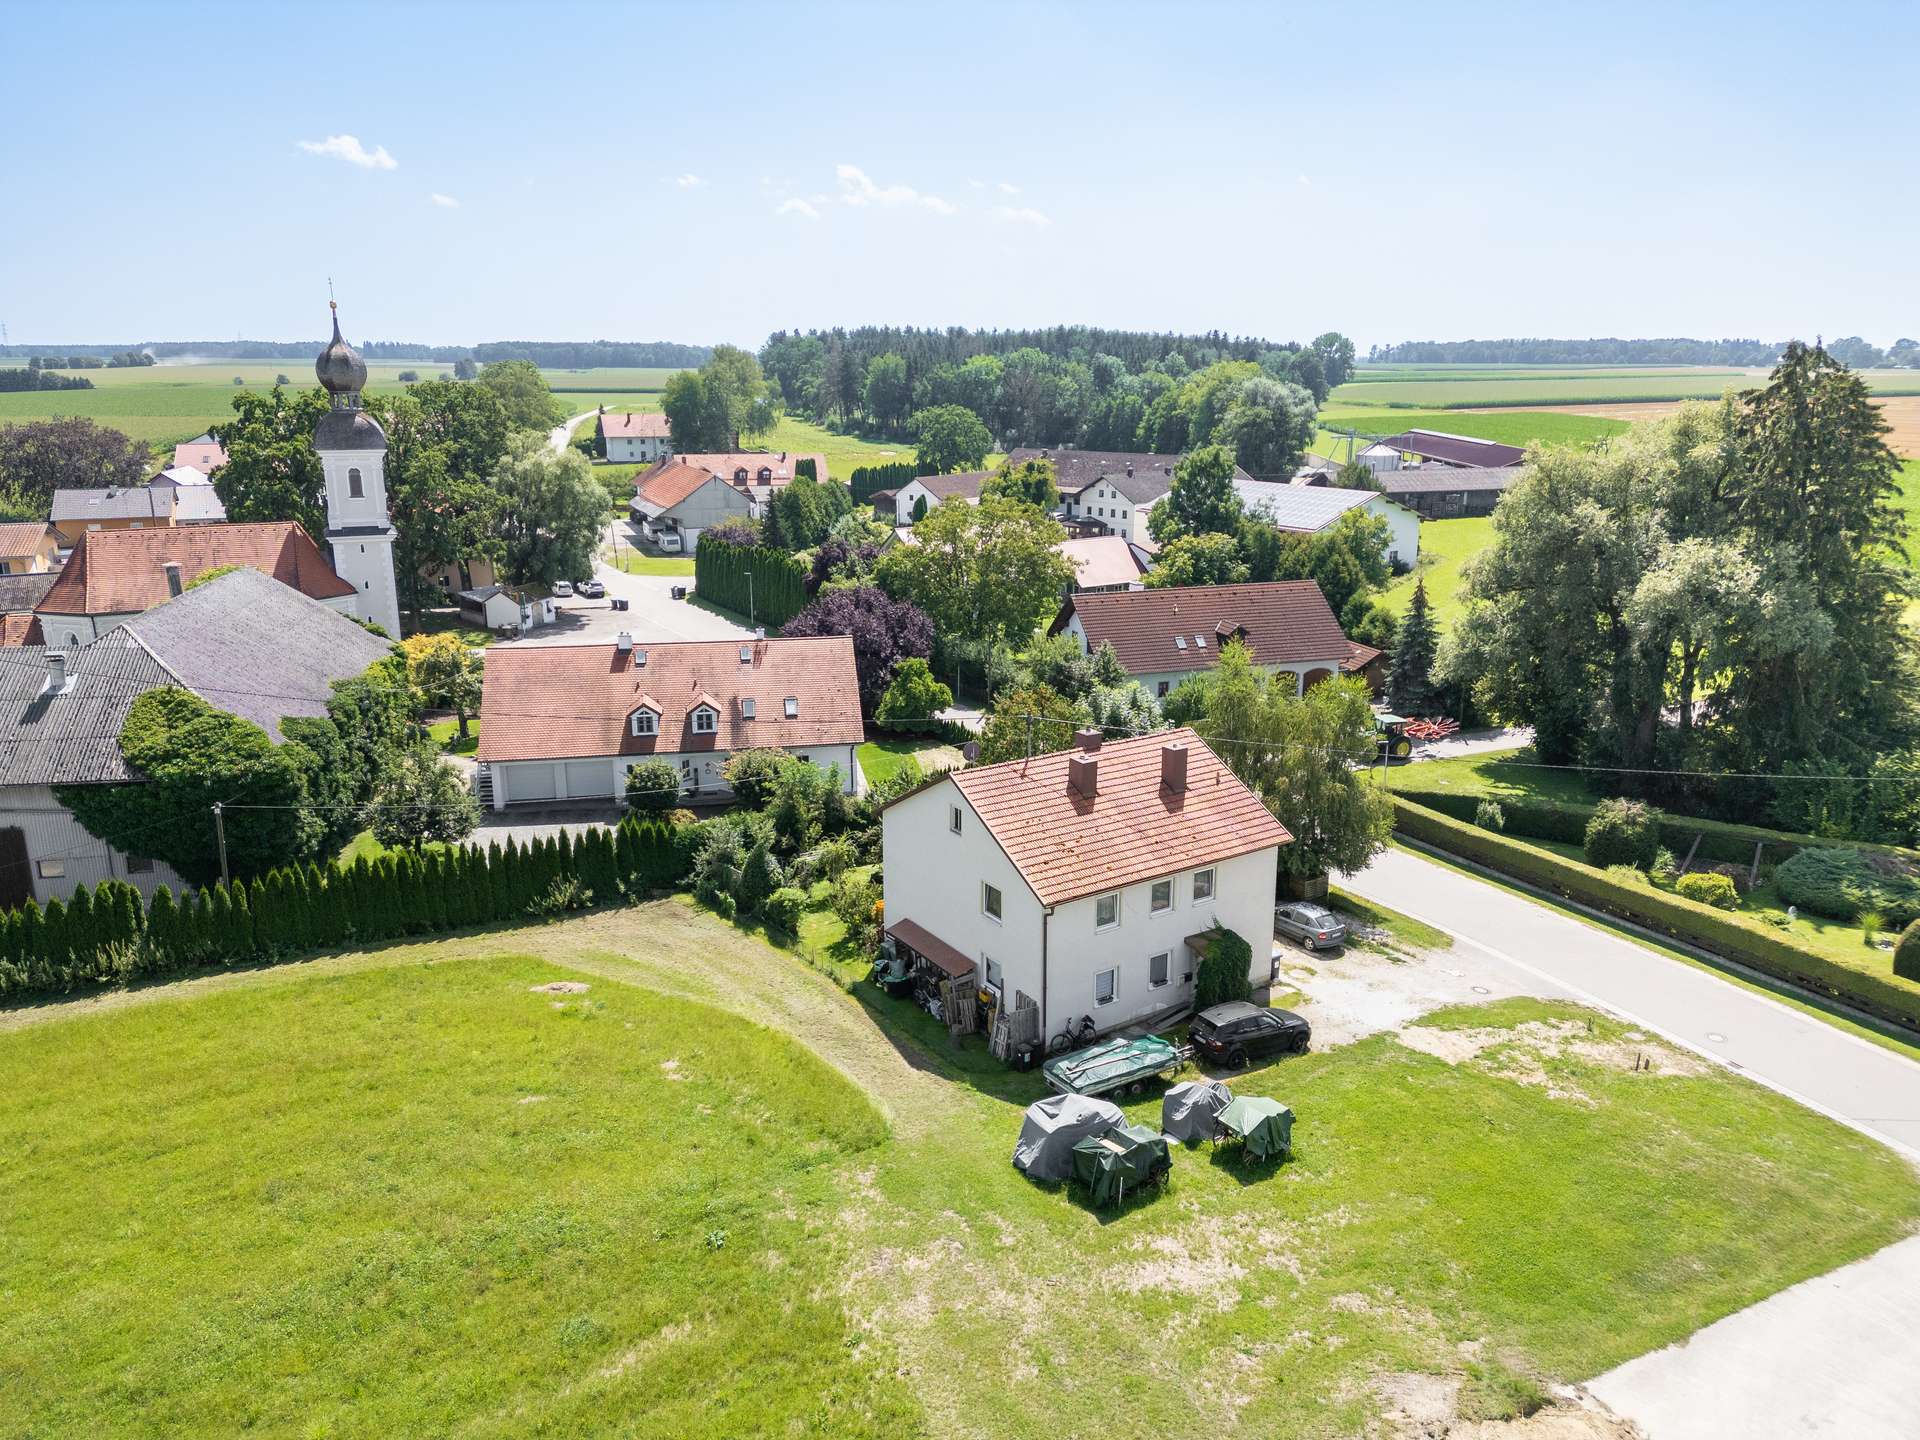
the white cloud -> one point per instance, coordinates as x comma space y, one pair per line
445, 202
1022, 215
1008, 189
857, 188
688, 182
349, 149
796, 206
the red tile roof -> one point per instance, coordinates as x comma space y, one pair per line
668, 483
117, 572
780, 462
22, 537
638, 425
204, 455
1102, 560
1360, 657
1133, 829
1284, 622
554, 702
21, 628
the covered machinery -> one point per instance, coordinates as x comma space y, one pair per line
1125, 1062
1053, 1127
1191, 1110
1263, 1126
1121, 1160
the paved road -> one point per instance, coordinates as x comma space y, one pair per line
1832, 1356
561, 434
653, 616
1854, 1081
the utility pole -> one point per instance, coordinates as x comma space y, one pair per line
220, 836
749, 597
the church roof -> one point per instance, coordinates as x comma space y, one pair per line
340, 368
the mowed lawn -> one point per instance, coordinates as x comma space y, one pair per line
401, 1194
1445, 548
427, 1200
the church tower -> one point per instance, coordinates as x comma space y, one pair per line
353, 451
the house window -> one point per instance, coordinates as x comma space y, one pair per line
1106, 987
139, 864
990, 900
704, 721
645, 722
746, 654
1158, 968
354, 487
792, 704
52, 869
1106, 912
1160, 690
1162, 896
953, 818
747, 706
1202, 886
994, 975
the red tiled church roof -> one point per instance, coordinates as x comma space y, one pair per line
117, 572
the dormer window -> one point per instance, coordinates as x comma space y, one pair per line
354, 487
645, 723
705, 720
740, 475
766, 476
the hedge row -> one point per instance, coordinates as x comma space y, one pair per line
103, 937
866, 479
1566, 823
758, 579
1734, 936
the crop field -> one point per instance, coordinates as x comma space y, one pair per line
1511, 428
705, 1190
1450, 388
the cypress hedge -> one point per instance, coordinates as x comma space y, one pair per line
866, 479
1734, 936
776, 593
106, 935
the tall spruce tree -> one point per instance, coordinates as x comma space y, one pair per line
1410, 687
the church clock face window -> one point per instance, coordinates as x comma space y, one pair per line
354, 487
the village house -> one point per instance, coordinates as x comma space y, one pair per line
1162, 637
476, 573
1116, 489
567, 722
1105, 562
925, 493
244, 642
684, 494
203, 453
27, 547
134, 507
113, 575
1083, 882
635, 436
1307, 510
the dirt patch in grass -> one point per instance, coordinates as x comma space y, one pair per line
562, 987
1360, 992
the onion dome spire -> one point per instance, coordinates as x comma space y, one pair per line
340, 368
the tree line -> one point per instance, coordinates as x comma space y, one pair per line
557, 354
1851, 350
106, 937
35, 378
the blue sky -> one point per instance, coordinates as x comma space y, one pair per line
710, 172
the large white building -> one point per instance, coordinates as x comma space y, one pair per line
635, 436
353, 455
1083, 882
1309, 509
567, 722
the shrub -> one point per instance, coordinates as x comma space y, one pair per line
1841, 883
913, 698
1624, 875
855, 901
1708, 887
1872, 922
1665, 868
653, 785
1906, 955
721, 905
1623, 832
753, 774
1489, 816
760, 876
1222, 975
785, 907
563, 893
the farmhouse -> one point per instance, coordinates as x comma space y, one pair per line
1307, 510
245, 643
923, 493
203, 453
758, 471
1444, 492
1082, 882
27, 547
675, 501
113, 575
1105, 562
1437, 447
1162, 637
635, 436
1117, 489
567, 722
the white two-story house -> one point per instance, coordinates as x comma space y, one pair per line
1079, 882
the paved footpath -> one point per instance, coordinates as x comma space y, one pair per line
1833, 1356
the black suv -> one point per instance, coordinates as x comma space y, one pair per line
1236, 1032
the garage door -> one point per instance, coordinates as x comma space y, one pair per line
530, 782
588, 780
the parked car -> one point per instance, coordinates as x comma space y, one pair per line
562, 589
1237, 1033
1314, 926
593, 589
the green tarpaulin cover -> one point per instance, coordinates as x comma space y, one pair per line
1266, 1126
1119, 1162
1110, 1065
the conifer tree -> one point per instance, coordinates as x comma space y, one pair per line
759, 877
34, 959
218, 935
264, 916
163, 927
242, 940
79, 938
1410, 687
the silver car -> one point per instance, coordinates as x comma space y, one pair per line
1314, 926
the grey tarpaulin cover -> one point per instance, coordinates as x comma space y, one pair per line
1191, 1109
1054, 1126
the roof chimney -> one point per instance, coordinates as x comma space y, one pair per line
172, 567
759, 632
624, 642
56, 671
1173, 765
1087, 741
1083, 774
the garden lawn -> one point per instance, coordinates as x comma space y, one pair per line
390, 1194
424, 1200
1445, 548
844, 453
446, 734
884, 759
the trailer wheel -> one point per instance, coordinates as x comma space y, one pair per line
1136, 1087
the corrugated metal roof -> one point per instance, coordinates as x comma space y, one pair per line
1455, 449
73, 737
1446, 479
1299, 507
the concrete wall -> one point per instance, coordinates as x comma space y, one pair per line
604, 777
55, 840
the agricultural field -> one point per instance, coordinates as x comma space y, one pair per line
703, 1188
1507, 426
1455, 387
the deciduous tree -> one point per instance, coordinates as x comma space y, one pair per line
551, 511
948, 438
1203, 500
981, 572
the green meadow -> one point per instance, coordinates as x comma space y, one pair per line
1453, 387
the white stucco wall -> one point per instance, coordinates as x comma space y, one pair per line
604, 777
52, 834
1404, 546
642, 449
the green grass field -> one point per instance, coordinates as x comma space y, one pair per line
884, 759
1445, 548
402, 1193
1452, 387
1520, 428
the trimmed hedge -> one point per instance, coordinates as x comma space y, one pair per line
1566, 824
759, 580
103, 938
1736, 937
1906, 953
